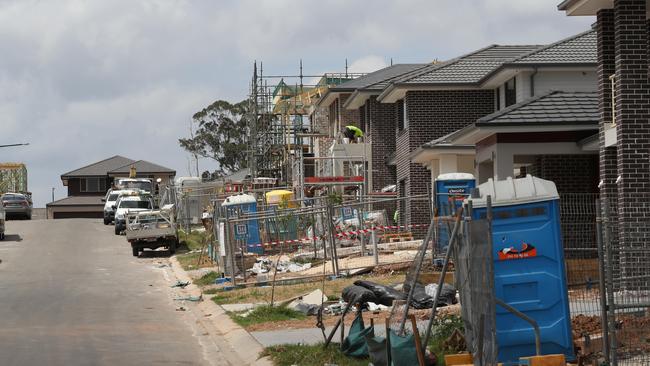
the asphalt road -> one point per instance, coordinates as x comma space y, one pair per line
72, 294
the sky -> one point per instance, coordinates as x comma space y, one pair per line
81, 81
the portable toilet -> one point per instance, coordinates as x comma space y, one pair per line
451, 189
529, 270
278, 196
248, 231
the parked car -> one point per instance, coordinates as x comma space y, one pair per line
129, 204
109, 201
2, 223
16, 204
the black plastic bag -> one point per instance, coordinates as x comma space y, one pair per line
385, 295
358, 295
420, 299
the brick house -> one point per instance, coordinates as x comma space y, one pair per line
89, 184
623, 50
551, 128
435, 101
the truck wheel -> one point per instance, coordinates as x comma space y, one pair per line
106, 221
2, 236
136, 252
117, 230
172, 247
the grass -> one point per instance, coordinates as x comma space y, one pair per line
206, 279
310, 355
333, 289
189, 242
265, 314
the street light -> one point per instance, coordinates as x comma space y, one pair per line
12, 145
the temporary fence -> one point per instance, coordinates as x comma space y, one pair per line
626, 267
328, 237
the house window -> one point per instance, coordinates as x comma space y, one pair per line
511, 92
93, 185
401, 114
497, 93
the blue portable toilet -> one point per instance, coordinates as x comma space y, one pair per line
529, 270
247, 231
451, 189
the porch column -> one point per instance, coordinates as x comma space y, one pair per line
633, 128
503, 163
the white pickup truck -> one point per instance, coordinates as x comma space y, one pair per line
152, 229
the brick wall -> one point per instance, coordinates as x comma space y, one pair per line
432, 114
633, 132
381, 135
348, 117
570, 173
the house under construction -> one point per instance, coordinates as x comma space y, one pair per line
288, 131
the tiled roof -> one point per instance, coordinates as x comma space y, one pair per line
470, 68
79, 201
580, 48
375, 80
548, 109
99, 168
142, 166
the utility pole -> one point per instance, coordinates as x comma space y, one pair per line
53, 194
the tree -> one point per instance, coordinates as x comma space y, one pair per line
221, 134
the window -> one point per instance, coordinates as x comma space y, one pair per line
401, 112
497, 93
93, 185
511, 92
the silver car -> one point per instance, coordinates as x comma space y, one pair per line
16, 205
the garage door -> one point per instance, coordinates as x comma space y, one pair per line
78, 215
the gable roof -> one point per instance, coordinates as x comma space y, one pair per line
553, 108
99, 168
577, 49
141, 166
375, 79
467, 69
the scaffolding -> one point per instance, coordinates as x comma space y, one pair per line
13, 177
282, 133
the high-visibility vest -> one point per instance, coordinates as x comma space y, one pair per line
357, 130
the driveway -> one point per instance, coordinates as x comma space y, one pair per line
72, 294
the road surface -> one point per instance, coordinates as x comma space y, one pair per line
72, 294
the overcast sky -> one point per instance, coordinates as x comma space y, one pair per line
85, 80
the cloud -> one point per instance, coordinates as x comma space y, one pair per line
84, 80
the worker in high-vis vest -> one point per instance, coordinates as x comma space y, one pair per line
353, 133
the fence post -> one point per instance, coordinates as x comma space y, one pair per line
602, 287
375, 249
610, 285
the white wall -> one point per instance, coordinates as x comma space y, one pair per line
581, 81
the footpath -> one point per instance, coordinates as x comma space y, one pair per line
237, 345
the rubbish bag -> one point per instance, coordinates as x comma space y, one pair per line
420, 299
385, 295
354, 345
447, 296
357, 294
402, 350
377, 350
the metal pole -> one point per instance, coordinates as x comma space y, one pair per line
531, 321
231, 252
418, 267
375, 249
601, 275
611, 305
443, 273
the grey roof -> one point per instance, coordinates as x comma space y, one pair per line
379, 79
99, 168
468, 69
580, 49
79, 201
548, 109
142, 166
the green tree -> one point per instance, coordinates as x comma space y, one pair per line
220, 133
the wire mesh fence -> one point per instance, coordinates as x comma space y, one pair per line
627, 273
